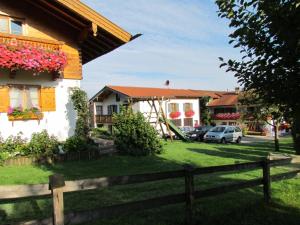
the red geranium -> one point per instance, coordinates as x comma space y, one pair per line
16, 56
226, 116
190, 113
174, 115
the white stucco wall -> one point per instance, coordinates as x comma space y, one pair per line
60, 123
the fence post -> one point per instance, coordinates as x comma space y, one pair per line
189, 194
267, 180
56, 184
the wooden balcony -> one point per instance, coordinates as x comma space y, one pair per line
30, 41
104, 119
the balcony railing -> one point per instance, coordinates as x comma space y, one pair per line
104, 119
30, 41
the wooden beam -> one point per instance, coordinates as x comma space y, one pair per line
53, 14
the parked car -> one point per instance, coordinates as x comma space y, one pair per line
198, 133
223, 134
187, 129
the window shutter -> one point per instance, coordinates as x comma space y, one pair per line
48, 100
4, 99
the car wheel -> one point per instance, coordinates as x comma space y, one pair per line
223, 141
238, 140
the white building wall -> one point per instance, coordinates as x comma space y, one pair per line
145, 108
60, 123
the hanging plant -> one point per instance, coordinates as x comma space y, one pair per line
189, 113
226, 116
16, 56
174, 115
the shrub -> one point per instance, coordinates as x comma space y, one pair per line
80, 101
76, 144
42, 144
14, 145
134, 135
101, 132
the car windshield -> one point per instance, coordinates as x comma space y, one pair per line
217, 129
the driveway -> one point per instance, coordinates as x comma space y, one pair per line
254, 139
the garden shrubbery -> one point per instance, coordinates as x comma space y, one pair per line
134, 135
40, 145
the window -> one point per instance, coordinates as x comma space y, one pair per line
173, 107
16, 27
99, 110
117, 97
26, 97
112, 109
4, 28
187, 107
11, 25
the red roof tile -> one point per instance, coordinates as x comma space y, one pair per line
146, 92
226, 99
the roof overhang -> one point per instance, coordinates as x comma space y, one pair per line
96, 35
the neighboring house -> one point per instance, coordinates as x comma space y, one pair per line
227, 110
35, 91
181, 106
224, 109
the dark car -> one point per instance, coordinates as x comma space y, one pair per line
198, 133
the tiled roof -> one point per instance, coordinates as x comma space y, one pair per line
146, 92
226, 99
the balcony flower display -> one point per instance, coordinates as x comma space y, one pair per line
174, 115
16, 56
226, 116
189, 113
18, 113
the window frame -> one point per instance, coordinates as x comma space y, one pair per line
170, 108
23, 86
9, 20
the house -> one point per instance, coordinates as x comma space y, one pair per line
228, 110
181, 106
43, 45
224, 109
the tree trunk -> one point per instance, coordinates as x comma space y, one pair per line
296, 130
276, 138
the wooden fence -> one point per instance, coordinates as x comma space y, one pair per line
57, 186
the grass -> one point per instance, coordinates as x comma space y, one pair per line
243, 207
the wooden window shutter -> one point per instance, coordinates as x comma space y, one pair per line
48, 100
4, 99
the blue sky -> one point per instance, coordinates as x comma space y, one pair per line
181, 42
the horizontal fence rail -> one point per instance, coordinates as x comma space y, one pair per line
57, 186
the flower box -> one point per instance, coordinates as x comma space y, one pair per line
190, 113
174, 115
29, 116
226, 116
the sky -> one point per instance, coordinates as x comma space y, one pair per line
181, 42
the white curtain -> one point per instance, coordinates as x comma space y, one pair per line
16, 98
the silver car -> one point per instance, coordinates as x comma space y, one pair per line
224, 134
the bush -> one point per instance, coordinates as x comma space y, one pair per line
14, 145
134, 135
42, 144
76, 144
101, 132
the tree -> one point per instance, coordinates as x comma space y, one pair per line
204, 111
267, 32
269, 114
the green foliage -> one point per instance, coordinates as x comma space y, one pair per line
134, 135
80, 101
76, 144
267, 34
14, 145
101, 132
204, 111
42, 144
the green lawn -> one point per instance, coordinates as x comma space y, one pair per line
243, 207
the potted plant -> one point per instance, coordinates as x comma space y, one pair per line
189, 113
174, 115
